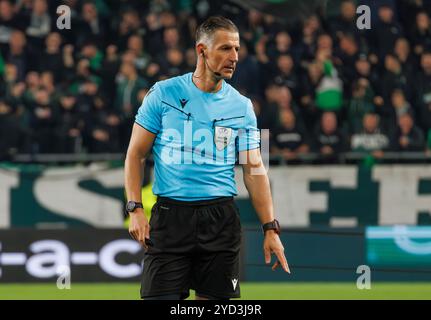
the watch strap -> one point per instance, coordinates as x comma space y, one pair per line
273, 225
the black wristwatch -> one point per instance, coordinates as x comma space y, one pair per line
273, 225
131, 206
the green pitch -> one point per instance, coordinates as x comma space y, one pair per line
254, 291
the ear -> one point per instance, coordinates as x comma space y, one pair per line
200, 49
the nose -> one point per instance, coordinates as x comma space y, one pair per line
234, 56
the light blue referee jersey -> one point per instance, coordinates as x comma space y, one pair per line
198, 137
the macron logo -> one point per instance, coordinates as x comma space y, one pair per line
183, 102
234, 283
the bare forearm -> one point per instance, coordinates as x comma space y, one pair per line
260, 194
133, 175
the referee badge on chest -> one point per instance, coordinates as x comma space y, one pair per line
222, 136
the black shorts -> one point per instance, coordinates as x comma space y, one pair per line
195, 245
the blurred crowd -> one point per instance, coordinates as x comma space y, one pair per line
320, 85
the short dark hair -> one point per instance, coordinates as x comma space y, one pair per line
207, 28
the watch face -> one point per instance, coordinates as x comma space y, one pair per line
130, 206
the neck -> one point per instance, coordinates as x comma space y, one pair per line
15, 50
132, 77
52, 50
206, 80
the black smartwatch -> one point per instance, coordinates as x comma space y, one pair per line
131, 206
273, 225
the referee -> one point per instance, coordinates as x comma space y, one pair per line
197, 126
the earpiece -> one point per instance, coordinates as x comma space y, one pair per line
218, 74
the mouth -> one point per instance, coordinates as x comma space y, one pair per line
230, 68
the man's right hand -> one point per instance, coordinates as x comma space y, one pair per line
139, 228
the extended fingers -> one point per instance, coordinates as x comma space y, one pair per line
267, 253
281, 261
138, 234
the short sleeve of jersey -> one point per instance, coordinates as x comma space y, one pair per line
149, 115
249, 136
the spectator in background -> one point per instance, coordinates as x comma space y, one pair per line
10, 131
284, 101
40, 25
308, 94
265, 64
387, 31
329, 92
94, 56
10, 78
83, 75
171, 39
128, 85
346, 21
47, 83
154, 34
282, 45
130, 24
347, 55
69, 130
92, 27
18, 54
253, 29
14, 89
52, 58
269, 110
88, 90
423, 92
103, 128
289, 140
408, 136
13, 97
136, 45
372, 138
363, 69
310, 29
159, 6
393, 77
408, 10
10, 21
190, 60
421, 37
173, 64
271, 26
263, 119
286, 75
32, 84
403, 53
153, 73
168, 19
247, 74
400, 105
69, 63
325, 46
428, 143
360, 104
108, 72
329, 140
44, 120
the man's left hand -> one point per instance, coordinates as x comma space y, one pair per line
272, 244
